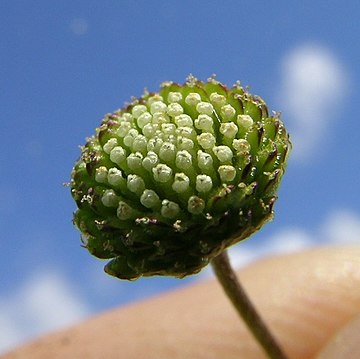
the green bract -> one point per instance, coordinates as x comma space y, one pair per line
174, 178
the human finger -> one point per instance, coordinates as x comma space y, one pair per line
304, 298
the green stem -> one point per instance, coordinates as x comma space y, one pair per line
245, 308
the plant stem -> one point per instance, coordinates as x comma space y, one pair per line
232, 287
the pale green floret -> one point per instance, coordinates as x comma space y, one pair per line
159, 135
169, 209
124, 128
150, 199
193, 98
168, 129
205, 161
138, 110
162, 173
129, 138
174, 97
206, 140
134, 161
241, 146
205, 108
171, 138
149, 130
124, 211
117, 155
139, 143
229, 129
183, 159
187, 132
184, 143
110, 199
150, 161
181, 183
227, 173
204, 123
217, 99
159, 118
158, 106
154, 98
115, 177
203, 183
101, 174
227, 112
135, 184
155, 144
167, 151
144, 119
184, 121
127, 117
245, 121
195, 205
110, 144
174, 109
223, 153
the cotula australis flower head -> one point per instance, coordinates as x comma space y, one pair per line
174, 178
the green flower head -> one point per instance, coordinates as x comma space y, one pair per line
174, 178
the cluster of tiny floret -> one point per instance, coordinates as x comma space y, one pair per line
157, 144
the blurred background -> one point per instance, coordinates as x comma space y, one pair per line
64, 64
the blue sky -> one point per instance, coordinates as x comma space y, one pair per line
64, 64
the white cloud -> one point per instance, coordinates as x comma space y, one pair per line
79, 26
46, 302
10, 334
314, 83
241, 255
342, 226
338, 227
287, 240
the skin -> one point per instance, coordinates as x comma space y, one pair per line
310, 300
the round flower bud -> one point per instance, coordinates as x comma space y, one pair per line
174, 178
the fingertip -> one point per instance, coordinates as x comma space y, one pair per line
345, 344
